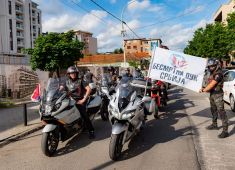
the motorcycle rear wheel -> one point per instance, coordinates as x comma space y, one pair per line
49, 143
115, 146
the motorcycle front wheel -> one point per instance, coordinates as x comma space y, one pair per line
115, 146
49, 143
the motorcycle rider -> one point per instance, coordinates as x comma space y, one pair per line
80, 88
163, 89
214, 86
112, 76
137, 73
89, 76
128, 73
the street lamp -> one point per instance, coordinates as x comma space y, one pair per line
123, 30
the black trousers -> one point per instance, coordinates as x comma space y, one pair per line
85, 116
217, 108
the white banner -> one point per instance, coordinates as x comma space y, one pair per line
177, 68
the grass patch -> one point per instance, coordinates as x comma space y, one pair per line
6, 104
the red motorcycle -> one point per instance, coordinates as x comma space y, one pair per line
157, 92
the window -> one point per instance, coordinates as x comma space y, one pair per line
226, 77
38, 18
9, 7
128, 47
11, 34
135, 47
232, 77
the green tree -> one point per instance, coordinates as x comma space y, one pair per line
120, 51
55, 51
214, 41
231, 31
134, 63
116, 51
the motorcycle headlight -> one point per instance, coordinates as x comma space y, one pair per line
57, 106
48, 109
128, 114
114, 112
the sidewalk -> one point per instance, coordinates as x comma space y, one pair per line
213, 153
12, 123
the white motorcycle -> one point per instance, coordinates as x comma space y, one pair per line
61, 116
106, 91
127, 110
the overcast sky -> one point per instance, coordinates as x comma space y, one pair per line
174, 21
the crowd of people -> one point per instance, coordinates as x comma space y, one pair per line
79, 84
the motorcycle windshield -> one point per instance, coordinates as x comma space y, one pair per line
52, 92
125, 92
106, 80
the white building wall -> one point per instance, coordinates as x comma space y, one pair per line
25, 35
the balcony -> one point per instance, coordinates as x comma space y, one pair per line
20, 43
19, 18
19, 50
19, 26
19, 10
19, 2
34, 5
19, 34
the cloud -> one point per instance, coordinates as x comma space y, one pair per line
193, 10
68, 21
59, 24
136, 5
113, 1
90, 21
177, 36
50, 7
155, 8
111, 38
146, 5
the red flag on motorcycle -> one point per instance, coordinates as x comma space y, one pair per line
36, 94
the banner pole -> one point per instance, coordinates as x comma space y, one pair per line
150, 66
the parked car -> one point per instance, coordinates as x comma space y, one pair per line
229, 88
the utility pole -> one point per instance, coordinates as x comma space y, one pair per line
123, 33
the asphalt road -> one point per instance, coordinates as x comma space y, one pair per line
163, 144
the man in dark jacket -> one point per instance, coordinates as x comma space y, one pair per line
81, 90
214, 86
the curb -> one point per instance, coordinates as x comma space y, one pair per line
16, 137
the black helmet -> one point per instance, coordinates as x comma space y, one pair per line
111, 68
212, 62
127, 69
72, 69
137, 69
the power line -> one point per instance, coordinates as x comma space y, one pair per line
172, 18
115, 17
132, 31
87, 11
106, 11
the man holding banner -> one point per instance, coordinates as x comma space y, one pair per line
188, 72
214, 86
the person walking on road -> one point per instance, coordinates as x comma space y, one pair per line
214, 86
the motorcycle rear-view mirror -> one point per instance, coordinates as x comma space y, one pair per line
146, 99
